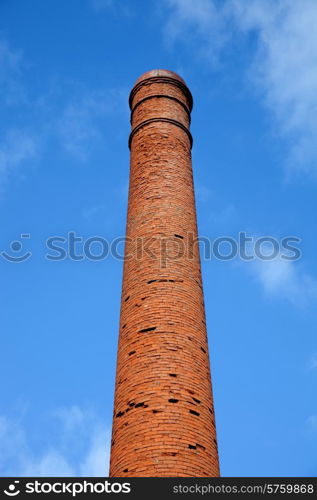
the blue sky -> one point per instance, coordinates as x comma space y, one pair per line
66, 69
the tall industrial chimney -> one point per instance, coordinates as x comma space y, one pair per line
164, 422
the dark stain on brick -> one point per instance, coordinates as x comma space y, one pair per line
149, 329
194, 413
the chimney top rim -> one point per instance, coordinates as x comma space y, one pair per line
157, 73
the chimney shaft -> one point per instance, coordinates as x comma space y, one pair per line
163, 423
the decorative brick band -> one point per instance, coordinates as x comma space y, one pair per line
166, 120
158, 96
162, 79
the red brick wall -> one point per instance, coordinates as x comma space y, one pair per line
163, 422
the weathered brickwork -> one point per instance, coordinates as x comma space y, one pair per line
163, 422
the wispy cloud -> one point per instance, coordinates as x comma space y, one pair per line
77, 127
284, 63
313, 362
285, 69
11, 66
18, 145
80, 126
284, 279
16, 148
74, 114
312, 423
101, 5
89, 213
96, 461
202, 192
50, 464
197, 22
75, 425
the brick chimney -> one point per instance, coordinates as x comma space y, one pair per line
164, 422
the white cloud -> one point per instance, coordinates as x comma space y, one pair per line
78, 429
13, 92
284, 64
223, 216
286, 68
77, 127
201, 13
202, 192
313, 362
72, 418
312, 422
66, 110
80, 125
51, 464
16, 148
285, 279
197, 21
95, 463
99, 5
92, 212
